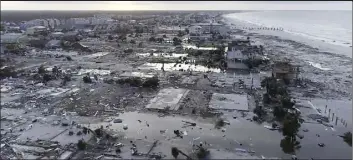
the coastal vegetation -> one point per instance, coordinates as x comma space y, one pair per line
278, 98
347, 137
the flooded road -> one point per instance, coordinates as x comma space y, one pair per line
241, 134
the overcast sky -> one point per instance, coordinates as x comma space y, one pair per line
176, 5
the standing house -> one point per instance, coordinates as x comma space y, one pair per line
209, 27
171, 30
237, 53
204, 30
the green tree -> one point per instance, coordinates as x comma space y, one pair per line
286, 102
347, 137
175, 152
152, 39
81, 145
279, 112
180, 34
176, 41
41, 70
291, 126
289, 146
110, 37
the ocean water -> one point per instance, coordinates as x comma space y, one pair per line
333, 27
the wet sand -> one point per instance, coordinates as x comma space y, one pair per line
329, 68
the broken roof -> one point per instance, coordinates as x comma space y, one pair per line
53, 42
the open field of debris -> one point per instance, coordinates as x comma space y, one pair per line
118, 95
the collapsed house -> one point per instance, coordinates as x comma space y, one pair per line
71, 36
36, 30
284, 70
53, 44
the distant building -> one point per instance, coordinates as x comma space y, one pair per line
36, 30
13, 29
171, 30
53, 23
196, 30
37, 22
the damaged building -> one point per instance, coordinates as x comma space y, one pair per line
284, 70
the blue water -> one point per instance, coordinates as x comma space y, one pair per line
330, 26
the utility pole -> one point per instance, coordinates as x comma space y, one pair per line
325, 108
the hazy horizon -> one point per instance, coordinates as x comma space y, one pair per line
173, 5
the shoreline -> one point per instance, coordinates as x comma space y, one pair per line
329, 71
322, 45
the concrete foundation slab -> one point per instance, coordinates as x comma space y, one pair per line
229, 101
167, 98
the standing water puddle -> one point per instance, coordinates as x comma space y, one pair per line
166, 55
177, 67
200, 48
94, 71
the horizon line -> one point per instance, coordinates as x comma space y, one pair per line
181, 10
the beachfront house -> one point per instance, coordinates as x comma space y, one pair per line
237, 54
171, 29
207, 28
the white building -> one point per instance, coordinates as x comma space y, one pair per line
170, 30
53, 23
209, 27
103, 16
37, 22
98, 21
78, 21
